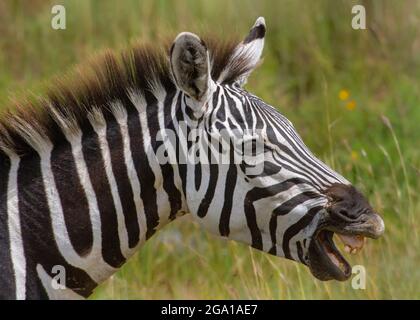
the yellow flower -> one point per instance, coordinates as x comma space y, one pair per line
354, 155
343, 94
351, 105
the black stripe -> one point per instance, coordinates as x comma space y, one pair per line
221, 114
213, 169
111, 250
144, 172
247, 121
197, 175
270, 169
73, 198
214, 101
290, 204
37, 234
296, 228
299, 173
116, 148
300, 252
173, 193
211, 189
233, 108
258, 113
258, 193
297, 162
230, 184
296, 141
7, 279
251, 221
181, 146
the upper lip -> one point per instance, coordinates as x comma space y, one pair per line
370, 226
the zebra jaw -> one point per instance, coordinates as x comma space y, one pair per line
351, 218
325, 260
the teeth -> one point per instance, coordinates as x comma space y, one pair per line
354, 251
353, 244
351, 250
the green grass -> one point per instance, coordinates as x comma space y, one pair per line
311, 54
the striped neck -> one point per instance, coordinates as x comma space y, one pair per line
87, 204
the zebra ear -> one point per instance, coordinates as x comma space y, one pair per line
246, 55
190, 66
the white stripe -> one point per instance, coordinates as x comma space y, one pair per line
95, 218
15, 233
310, 160
93, 263
99, 125
73, 135
238, 105
175, 166
121, 117
163, 197
162, 201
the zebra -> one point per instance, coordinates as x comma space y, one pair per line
82, 186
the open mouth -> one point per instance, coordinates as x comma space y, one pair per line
325, 260
332, 261
350, 217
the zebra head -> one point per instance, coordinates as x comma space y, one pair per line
274, 195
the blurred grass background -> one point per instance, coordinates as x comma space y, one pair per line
353, 95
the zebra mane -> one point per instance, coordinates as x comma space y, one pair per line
107, 77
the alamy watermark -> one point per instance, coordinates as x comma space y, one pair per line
358, 22
358, 282
58, 281
58, 21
